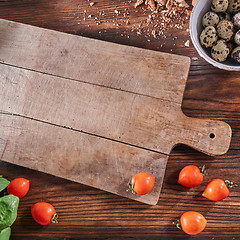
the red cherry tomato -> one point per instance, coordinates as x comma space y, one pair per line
141, 183
191, 176
192, 222
217, 189
19, 187
44, 213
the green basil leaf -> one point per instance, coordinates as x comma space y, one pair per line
5, 234
3, 183
8, 210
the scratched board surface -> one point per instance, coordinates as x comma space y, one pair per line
98, 123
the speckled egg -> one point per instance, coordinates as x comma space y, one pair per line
225, 29
224, 15
237, 37
236, 54
208, 36
220, 51
219, 5
236, 20
233, 6
210, 19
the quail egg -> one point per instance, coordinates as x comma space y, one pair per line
219, 5
210, 19
208, 36
236, 20
237, 37
225, 29
233, 6
220, 51
224, 15
236, 54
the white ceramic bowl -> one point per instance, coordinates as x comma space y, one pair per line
201, 7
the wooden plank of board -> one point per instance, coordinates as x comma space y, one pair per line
132, 69
62, 93
134, 119
79, 157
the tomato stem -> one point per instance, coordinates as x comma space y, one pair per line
229, 184
178, 224
131, 186
203, 170
54, 218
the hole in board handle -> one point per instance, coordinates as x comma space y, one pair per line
212, 135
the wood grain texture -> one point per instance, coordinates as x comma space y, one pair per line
70, 154
87, 213
128, 116
134, 119
93, 61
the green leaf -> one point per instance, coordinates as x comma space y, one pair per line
8, 210
3, 183
5, 234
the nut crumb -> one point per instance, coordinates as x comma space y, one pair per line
154, 33
194, 58
158, 17
187, 43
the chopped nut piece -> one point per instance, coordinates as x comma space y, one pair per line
187, 43
183, 4
194, 2
154, 33
169, 4
162, 2
151, 4
91, 3
188, 12
194, 58
138, 3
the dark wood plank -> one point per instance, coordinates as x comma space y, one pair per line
87, 213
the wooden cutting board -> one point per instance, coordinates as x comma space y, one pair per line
95, 112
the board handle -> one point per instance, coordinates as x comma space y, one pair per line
208, 136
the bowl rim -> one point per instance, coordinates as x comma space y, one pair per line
203, 54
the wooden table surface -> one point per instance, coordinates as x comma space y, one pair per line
88, 213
